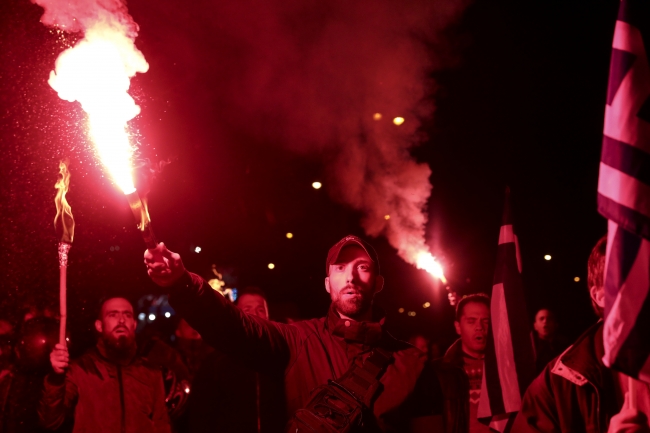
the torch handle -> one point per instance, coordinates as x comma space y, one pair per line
62, 303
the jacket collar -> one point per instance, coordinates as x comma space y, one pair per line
581, 363
366, 332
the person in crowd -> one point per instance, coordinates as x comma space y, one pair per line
420, 342
547, 341
396, 390
460, 370
230, 397
576, 392
108, 389
23, 375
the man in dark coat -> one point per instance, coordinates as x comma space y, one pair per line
109, 389
312, 352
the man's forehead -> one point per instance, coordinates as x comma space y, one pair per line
118, 305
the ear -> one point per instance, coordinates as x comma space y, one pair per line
457, 326
598, 295
327, 284
98, 326
379, 283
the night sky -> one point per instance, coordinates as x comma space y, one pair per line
252, 103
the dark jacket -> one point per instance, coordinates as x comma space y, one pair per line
574, 393
311, 352
455, 389
102, 396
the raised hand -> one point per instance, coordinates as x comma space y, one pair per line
163, 266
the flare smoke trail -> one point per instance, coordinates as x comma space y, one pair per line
312, 76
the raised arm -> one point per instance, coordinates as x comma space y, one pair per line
258, 342
59, 394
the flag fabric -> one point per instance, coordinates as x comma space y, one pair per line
624, 194
509, 361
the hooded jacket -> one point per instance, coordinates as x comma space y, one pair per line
311, 352
574, 393
105, 397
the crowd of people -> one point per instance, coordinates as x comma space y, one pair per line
231, 369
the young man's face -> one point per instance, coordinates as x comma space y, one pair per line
254, 305
351, 282
545, 324
473, 328
117, 324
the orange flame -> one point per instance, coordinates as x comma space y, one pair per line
96, 72
63, 209
424, 260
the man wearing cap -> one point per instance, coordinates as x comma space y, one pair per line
314, 352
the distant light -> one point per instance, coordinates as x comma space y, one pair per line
168, 314
112, 248
117, 247
289, 235
197, 250
547, 257
426, 305
376, 116
317, 185
576, 279
398, 121
386, 217
400, 310
152, 317
271, 266
67, 338
141, 316
411, 313
187, 390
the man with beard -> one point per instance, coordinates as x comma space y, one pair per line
461, 369
109, 389
348, 343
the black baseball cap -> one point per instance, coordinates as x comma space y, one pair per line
334, 252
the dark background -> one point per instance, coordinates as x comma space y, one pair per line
522, 105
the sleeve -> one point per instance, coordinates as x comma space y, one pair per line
257, 342
160, 417
538, 409
58, 399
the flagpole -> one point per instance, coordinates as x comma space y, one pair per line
632, 392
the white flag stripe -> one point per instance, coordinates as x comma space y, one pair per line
506, 234
504, 352
621, 121
498, 423
626, 305
624, 189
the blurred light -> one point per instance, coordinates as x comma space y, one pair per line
386, 217
117, 247
168, 314
152, 317
112, 248
411, 313
376, 116
398, 121
67, 339
141, 316
289, 235
271, 266
187, 390
576, 279
547, 257
197, 250
426, 305
316, 185
400, 310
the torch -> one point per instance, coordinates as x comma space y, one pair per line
426, 261
64, 214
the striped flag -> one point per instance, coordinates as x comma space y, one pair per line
624, 194
509, 360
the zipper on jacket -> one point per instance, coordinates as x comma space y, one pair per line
122, 406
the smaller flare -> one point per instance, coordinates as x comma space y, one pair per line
63, 209
141, 214
427, 262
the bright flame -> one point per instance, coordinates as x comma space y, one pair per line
63, 209
426, 261
96, 72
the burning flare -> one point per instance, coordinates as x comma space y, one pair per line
63, 209
97, 72
424, 260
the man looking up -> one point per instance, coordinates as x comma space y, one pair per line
399, 395
109, 389
460, 371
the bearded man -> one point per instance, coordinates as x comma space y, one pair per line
109, 389
365, 380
